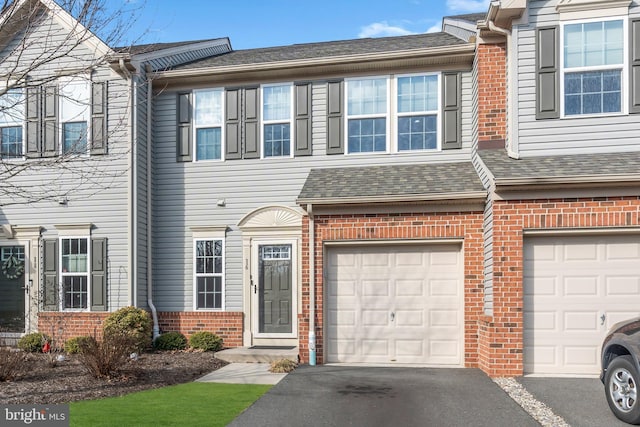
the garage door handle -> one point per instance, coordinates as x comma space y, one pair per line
393, 316
602, 319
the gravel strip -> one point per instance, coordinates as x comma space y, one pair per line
538, 410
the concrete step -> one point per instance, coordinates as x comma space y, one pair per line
257, 355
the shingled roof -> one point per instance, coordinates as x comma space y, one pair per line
469, 17
561, 168
392, 183
326, 49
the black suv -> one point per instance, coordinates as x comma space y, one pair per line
621, 371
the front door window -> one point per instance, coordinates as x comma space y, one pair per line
12, 289
275, 289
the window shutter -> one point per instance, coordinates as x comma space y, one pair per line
98, 274
251, 123
184, 138
302, 119
50, 140
547, 73
634, 74
232, 132
335, 128
33, 110
451, 111
98, 118
50, 283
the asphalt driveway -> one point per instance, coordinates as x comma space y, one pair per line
377, 396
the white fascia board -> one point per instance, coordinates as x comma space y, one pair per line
566, 181
399, 199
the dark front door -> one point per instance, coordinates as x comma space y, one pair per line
12, 289
275, 290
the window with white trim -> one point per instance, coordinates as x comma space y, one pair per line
367, 120
75, 98
208, 117
593, 64
277, 116
74, 272
209, 274
418, 112
11, 124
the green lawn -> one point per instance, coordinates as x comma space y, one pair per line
191, 404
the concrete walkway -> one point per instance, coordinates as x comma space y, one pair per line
243, 373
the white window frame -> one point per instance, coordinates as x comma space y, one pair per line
624, 75
387, 115
398, 114
197, 126
289, 121
209, 233
19, 112
63, 274
71, 110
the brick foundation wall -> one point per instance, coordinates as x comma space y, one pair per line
225, 324
501, 336
491, 62
363, 227
64, 325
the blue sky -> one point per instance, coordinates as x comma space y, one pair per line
260, 23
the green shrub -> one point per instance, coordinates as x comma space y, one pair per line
72, 345
33, 342
171, 341
130, 322
206, 341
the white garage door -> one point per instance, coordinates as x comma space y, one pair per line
575, 289
400, 304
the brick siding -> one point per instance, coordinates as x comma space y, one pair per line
491, 63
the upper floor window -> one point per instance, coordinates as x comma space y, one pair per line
75, 97
209, 274
593, 67
418, 112
367, 115
11, 124
208, 118
277, 113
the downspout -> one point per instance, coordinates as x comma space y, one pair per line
494, 28
154, 312
312, 287
133, 179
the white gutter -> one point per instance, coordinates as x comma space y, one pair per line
410, 198
154, 312
312, 287
567, 180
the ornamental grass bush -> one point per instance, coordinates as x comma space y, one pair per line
206, 341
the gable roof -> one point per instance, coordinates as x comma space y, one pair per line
564, 170
392, 184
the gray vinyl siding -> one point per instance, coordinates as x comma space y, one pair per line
185, 194
616, 133
102, 197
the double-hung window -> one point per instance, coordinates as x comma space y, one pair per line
75, 97
11, 124
367, 108
74, 272
208, 118
209, 274
417, 112
593, 54
277, 115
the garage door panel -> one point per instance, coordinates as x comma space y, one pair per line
407, 311
600, 285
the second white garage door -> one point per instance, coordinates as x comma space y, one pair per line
399, 304
575, 289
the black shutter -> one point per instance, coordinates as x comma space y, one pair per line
547, 73
98, 118
251, 123
98, 274
184, 138
50, 275
335, 129
634, 74
50, 104
451, 111
33, 110
232, 133
302, 119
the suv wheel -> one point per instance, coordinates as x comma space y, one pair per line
621, 385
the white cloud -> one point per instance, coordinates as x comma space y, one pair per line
382, 29
468, 5
435, 28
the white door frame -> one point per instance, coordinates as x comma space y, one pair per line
255, 295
